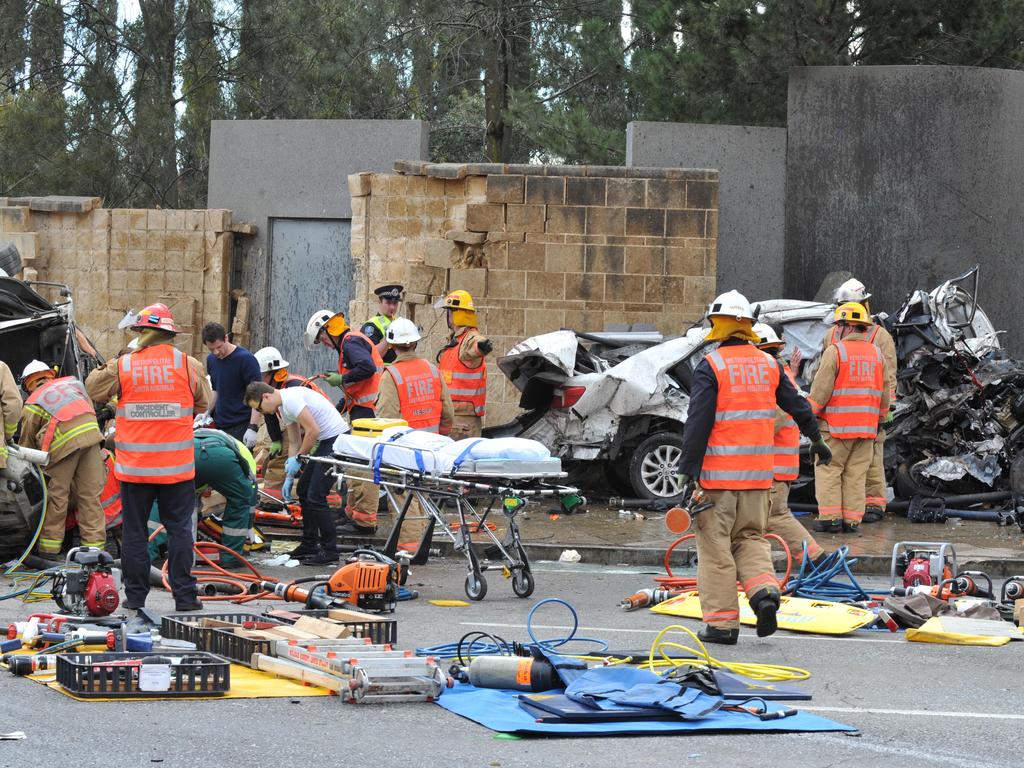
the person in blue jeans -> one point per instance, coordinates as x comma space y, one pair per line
231, 368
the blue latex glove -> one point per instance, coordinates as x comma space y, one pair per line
286, 490
292, 466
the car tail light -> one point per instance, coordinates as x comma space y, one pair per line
567, 397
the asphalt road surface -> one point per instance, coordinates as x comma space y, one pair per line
914, 704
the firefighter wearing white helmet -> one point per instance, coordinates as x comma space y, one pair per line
787, 461
275, 372
875, 498
412, 388
850, 396
359, 363
463, 364
729, 448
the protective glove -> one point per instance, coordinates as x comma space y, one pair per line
275, 449
485, 346
334, 379
286, 490
293, 465
685, 484
201, 421
887, 419
821, 451
249, 438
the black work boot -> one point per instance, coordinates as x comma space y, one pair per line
850, 527
828, 526
348, 528
712, 634
766, 609
873, 514
187, 603
303, 550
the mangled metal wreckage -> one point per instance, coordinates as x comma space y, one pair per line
619, 399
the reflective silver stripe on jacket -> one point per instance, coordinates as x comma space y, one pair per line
154, 471
718, 474
857, 391
111, 500
458, 375
851, 409
850, 430
738, 450
744, 415
395, 375
153, 411
153, 447
717, 360
787, 450
225, 531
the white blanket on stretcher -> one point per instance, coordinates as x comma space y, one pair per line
429, 452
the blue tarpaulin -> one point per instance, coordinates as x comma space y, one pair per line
499, 710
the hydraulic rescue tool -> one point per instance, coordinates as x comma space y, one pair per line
86, 585
679, 519
369, 581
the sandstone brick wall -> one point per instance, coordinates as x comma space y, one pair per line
539, 248
120, 259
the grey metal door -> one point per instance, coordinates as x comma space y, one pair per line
310, 269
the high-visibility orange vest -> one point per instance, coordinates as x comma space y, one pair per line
855, 406
63, 399
419, 393
787, 443
741, 449
294, 380
154, 417
872, 336
363, 392
465, 384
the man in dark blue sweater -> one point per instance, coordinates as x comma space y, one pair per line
232, 369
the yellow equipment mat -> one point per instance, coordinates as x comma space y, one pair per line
796, 614
952, 630
245, 684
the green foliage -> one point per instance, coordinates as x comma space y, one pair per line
93, 105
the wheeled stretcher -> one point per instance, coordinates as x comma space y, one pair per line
476, 478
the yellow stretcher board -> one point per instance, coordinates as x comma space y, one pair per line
796, 614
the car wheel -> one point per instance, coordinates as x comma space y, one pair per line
654, 464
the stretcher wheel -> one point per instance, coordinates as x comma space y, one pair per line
522, 582
476, 586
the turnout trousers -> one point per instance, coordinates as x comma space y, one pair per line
782, 523
731, 547
840, 485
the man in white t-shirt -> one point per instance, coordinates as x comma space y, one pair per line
312, 423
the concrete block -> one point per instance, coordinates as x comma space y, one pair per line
439, 253
566, 218
606, 221
447, 170
155, 240
630, 193
545, 285
137, 219
604, 258
645, 222
528, 256
654, 289
14, 219
506, 283
195, 220
584, 286
485, 169
685, 261
702, 194
644, 260
174, 221
565, 170
700, 290
483, 217
687, 223
472, 280
495, 255
505, 189
545, 189
606, 171
218, 220
119, 219
668, 193
409, 167
25, 242
426, 279
564, 258
510, 237
525, 218
629, 288
675, 290
586, 191
476, 189
470, 238
543, 322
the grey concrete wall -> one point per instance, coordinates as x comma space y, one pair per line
751, 196
906, 176
265, 169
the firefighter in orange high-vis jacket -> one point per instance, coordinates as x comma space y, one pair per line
787, 462
463, 365
875, 499
729, 446
60, 419
158, 389
850, 397
413, 389
359, 363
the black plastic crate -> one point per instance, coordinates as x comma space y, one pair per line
104, 675
184, 626
379, 630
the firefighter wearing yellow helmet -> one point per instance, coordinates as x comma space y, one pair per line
462, 364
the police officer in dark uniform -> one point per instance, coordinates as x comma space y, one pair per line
390, 298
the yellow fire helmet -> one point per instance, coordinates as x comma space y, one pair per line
460, 304
853, 313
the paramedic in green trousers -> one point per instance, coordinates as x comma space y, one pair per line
228, 467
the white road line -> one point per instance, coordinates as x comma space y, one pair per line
945, 759
912, 712
843, 638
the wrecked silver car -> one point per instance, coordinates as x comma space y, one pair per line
618, 401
